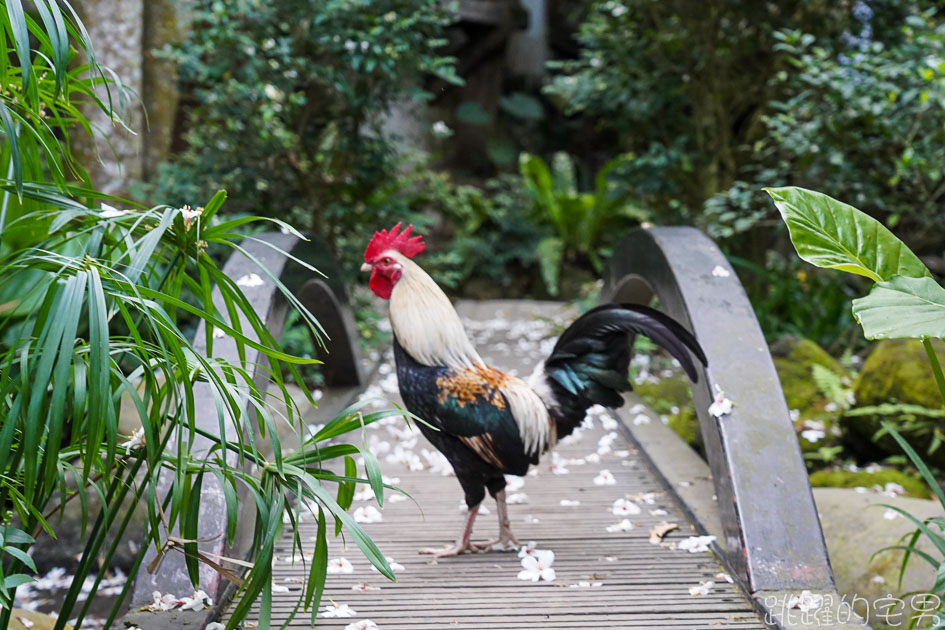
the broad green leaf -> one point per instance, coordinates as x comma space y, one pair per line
902, 308
834, 235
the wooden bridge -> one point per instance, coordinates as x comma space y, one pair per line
604, 502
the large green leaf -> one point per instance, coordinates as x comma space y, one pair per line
902, 307
834, 235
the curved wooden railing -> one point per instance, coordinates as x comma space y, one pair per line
325, 297
773, 541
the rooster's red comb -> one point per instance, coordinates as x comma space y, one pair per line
396, 240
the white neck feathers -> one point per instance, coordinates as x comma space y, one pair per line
425, 322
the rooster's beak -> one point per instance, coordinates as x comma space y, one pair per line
366, 267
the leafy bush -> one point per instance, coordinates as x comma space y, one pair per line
290, 100
582, 224
91, 298
867, 124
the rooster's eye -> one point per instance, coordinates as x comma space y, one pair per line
386, 261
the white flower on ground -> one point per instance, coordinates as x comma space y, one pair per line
806, 601
658, 512
215, 625
696, 544
721, 405
569, 503
558, 468
593, 458
608, 423
250, 280
604, 478
892, 489
528, 550
368, 514
725, 577
394, 566
279, 588
339, 565
163, 602
109, 212
641, 418
364, 494
513, 483
361, 586
702, 589
364, 624
538, 567
623, 526
720, 272
441, 130
531, 520
891, 515
218, 333
517, 499
624, 507
196, 601
341, 611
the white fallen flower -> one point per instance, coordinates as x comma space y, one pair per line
196, 601
394, 566
513, 483
891, 515
339, 565
720, 272
658, 512
517, 499
368, 514
531, 520
696, 544
721, 406
702, 589
538, 567
623, 526
364, 624
569, 503
218, 333
604, 478
641, 418
163, 603
725, 577
25, 622
215, 625
331, 610
806, 601
624, 507
361, 586
250, 280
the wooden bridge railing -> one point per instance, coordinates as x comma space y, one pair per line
773, 542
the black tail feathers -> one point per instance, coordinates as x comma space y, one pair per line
590, 361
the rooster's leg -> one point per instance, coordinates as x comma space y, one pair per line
506, 540
462, 544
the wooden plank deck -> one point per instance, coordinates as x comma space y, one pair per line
604, 579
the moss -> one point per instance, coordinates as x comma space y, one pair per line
793, 359
862, 478
667, 394
896, 371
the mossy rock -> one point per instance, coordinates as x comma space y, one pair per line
669, 393
897, 372
794, 358
865, 479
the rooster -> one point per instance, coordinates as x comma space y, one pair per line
488, 423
